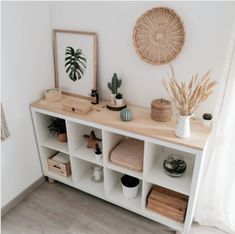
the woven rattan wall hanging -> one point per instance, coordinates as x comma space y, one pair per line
158, 35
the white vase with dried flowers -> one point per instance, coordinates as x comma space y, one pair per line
187, 98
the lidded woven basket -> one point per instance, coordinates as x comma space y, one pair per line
161, 110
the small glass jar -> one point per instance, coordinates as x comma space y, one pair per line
94, 96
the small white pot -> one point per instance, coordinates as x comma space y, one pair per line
98, 157
206, 123
119, 102
130, 193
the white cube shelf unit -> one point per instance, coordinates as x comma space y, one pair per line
159, 140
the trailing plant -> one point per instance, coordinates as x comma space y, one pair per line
119, 96
186, 98
98, 149
114, 84
57, 126
75, 63
207, 116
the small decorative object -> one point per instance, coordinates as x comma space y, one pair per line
158, 35
98, 152
59, 164
92, 140
58, 128
80, 107
130, 186
119, 99
94, 97
161, 110
186, 98
174, 165
207, 119
113, 86
53, 95
97, 174
75, 55
126, 115
116, 107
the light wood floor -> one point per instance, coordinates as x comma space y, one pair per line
59, 209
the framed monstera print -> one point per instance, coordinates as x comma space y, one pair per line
75, 54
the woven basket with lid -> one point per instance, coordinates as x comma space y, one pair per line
161, 110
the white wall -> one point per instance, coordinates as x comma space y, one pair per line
207, 26
26, 72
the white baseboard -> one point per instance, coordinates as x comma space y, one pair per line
5, 209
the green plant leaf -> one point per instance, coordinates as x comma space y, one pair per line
75, 63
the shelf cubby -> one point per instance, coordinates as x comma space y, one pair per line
82, 177
77, 143
154, 215
114, 191
154, 171
45, 154
45, 137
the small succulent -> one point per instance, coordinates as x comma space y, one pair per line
119, 96
207, 116
98, 149
57, 126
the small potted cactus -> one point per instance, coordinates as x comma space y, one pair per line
98, 152
113, 86
206, 119
119, 99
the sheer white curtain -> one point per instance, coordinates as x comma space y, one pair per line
216, 203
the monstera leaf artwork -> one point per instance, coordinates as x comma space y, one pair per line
75, 63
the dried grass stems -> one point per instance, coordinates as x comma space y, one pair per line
187, 98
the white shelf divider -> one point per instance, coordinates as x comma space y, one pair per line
55, 144
182, 184
86, 154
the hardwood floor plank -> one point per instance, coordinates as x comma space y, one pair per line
57, 208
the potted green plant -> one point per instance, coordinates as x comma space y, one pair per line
206, 119
98, 152
130, 186
58, 128
113, 86
119, 99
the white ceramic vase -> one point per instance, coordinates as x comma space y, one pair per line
183, 127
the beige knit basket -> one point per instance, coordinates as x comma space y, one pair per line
158, 35
161, 110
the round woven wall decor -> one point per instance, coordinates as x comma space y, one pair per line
158, 35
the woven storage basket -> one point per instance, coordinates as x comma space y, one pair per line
161, 110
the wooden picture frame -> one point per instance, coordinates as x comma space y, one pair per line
75, 61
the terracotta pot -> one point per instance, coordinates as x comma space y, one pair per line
62, 137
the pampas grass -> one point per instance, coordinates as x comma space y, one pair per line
186, 98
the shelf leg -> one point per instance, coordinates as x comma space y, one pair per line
178, 232
50, 180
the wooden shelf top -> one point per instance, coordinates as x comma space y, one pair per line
140, 124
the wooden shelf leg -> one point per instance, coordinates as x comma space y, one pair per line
178, 232
50, 180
